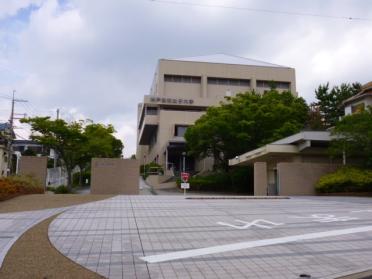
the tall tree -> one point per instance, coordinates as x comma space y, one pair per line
353, 136
75, 143
245, 122
330, 101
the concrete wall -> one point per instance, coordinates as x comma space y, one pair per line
34, 166
115, 176
300, 178
260, 179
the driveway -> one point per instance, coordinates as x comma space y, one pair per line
174, 237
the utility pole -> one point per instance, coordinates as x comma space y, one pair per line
11, 128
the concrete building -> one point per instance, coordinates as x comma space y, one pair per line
290, 166
181, 92
359, 101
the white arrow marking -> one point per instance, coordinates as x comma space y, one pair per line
250, 224
246, 245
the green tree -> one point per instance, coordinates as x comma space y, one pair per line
330, 101
353, 136
245, 122
99, 143
75, 143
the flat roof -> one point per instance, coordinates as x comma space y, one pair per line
288, 145
221, 58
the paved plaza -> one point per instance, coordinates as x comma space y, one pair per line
13, 225
174, 237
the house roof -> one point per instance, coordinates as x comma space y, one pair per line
227, 59
4, 126
365, 91
290, 145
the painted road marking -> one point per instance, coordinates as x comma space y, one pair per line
256, 223
365, 210
327, 218
249, 244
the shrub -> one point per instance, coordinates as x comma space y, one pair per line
151, 168
237, 180
62, 189
13, 186
345, 179
76, 178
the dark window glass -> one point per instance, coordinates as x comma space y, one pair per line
180, 130
151, 111
276, 84
183, 79
229, 81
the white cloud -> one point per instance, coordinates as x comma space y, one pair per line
95, 59
11, 7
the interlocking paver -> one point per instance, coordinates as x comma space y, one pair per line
111, 236
13, 225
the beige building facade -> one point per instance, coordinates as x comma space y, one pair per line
290, 166
181, 92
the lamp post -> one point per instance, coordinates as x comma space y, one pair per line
184, 161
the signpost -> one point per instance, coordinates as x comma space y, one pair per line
185, 179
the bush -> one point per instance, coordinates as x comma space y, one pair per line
346, 179
151, 168
76, 178
62, 189
13, 186
237, 180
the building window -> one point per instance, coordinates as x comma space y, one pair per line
273, 84
357, 108
151, 110
182, 79
229, 81
180, 130
153, 140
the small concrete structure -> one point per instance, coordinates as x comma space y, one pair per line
115, 176
34, 166
290, 166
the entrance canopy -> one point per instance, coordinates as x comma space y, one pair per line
309, 142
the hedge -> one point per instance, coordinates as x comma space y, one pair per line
13, 186
236, 180
347, 179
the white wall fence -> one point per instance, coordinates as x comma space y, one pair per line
56, 177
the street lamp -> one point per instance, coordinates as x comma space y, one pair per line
184, 161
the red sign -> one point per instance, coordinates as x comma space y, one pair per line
185, 176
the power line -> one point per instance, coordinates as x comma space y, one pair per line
257, 10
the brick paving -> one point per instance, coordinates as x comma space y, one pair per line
13, 225
112, 236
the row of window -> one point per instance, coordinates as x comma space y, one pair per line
274, 84
227, 81
183, 79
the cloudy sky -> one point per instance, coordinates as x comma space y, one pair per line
95, 59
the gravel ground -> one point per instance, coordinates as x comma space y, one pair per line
43, 201
33, 256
